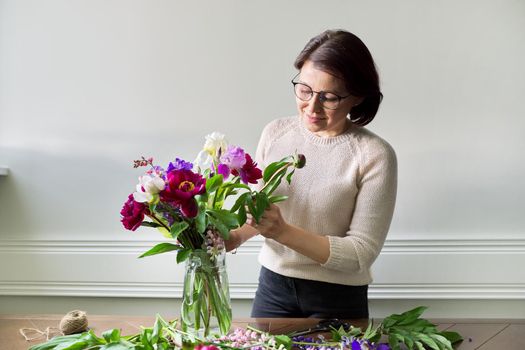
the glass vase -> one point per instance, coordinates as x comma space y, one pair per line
206, 307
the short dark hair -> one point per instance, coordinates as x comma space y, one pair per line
344, 55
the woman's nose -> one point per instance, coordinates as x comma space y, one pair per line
314, 104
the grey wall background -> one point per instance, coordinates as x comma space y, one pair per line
88, 86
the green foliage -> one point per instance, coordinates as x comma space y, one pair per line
161, 248
416, 333
406, 330
283, 340
177, 228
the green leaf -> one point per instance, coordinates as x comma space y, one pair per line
283, 340
150, 224
443, 342
370, 332
276, 199
453, 337
413, 313
145, 337
161, 248
73, 345
241, 214
233, 185
177, 228
157, 331
240, 202
392, 341
271, 169
261, 203
226, 217
118, 346
428, 341
219, 225
274, 182
289, 176
112, 335
200, 219
213, 183
419, 345
54, 342
183, 255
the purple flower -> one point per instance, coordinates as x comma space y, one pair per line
356, 345
223, 170
249, 172
234, 157
179, 164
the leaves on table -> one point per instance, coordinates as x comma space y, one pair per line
416, 333
407, 329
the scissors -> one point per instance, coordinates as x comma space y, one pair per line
323, 326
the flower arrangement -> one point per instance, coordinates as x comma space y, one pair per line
407, 330
185, 202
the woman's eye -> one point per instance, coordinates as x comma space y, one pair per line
330, 97
304, 90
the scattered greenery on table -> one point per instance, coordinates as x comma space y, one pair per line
407, 329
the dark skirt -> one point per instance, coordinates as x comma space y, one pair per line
281, 296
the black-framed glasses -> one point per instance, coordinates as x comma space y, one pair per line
329, 100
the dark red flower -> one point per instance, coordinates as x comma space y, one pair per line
249, 172
132, 213
181, 188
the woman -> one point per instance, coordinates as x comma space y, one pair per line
321, 241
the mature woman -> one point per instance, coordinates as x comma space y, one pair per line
322, 241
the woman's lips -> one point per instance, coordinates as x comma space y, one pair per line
313, 119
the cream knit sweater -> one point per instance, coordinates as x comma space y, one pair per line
346, 191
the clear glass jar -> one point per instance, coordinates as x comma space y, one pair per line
206, 306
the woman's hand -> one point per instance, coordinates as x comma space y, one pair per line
239, 236
233, 242
271, 225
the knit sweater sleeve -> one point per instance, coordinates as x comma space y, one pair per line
373, 210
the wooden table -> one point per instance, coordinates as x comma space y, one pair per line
478, 334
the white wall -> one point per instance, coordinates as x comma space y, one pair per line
88, 86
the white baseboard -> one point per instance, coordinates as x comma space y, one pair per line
452, 267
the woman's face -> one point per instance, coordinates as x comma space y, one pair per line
322, 121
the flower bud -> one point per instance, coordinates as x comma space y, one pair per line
299, 161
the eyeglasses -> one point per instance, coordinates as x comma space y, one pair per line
329, 100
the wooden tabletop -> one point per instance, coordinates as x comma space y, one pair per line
478, 334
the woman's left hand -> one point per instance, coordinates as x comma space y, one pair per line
271, 225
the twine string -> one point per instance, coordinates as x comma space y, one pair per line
31, 334
73, 322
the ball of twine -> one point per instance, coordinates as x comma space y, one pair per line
74, 322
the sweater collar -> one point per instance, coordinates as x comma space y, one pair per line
323, 141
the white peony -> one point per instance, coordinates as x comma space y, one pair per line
148, 188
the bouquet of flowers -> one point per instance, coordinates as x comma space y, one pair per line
184, 201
